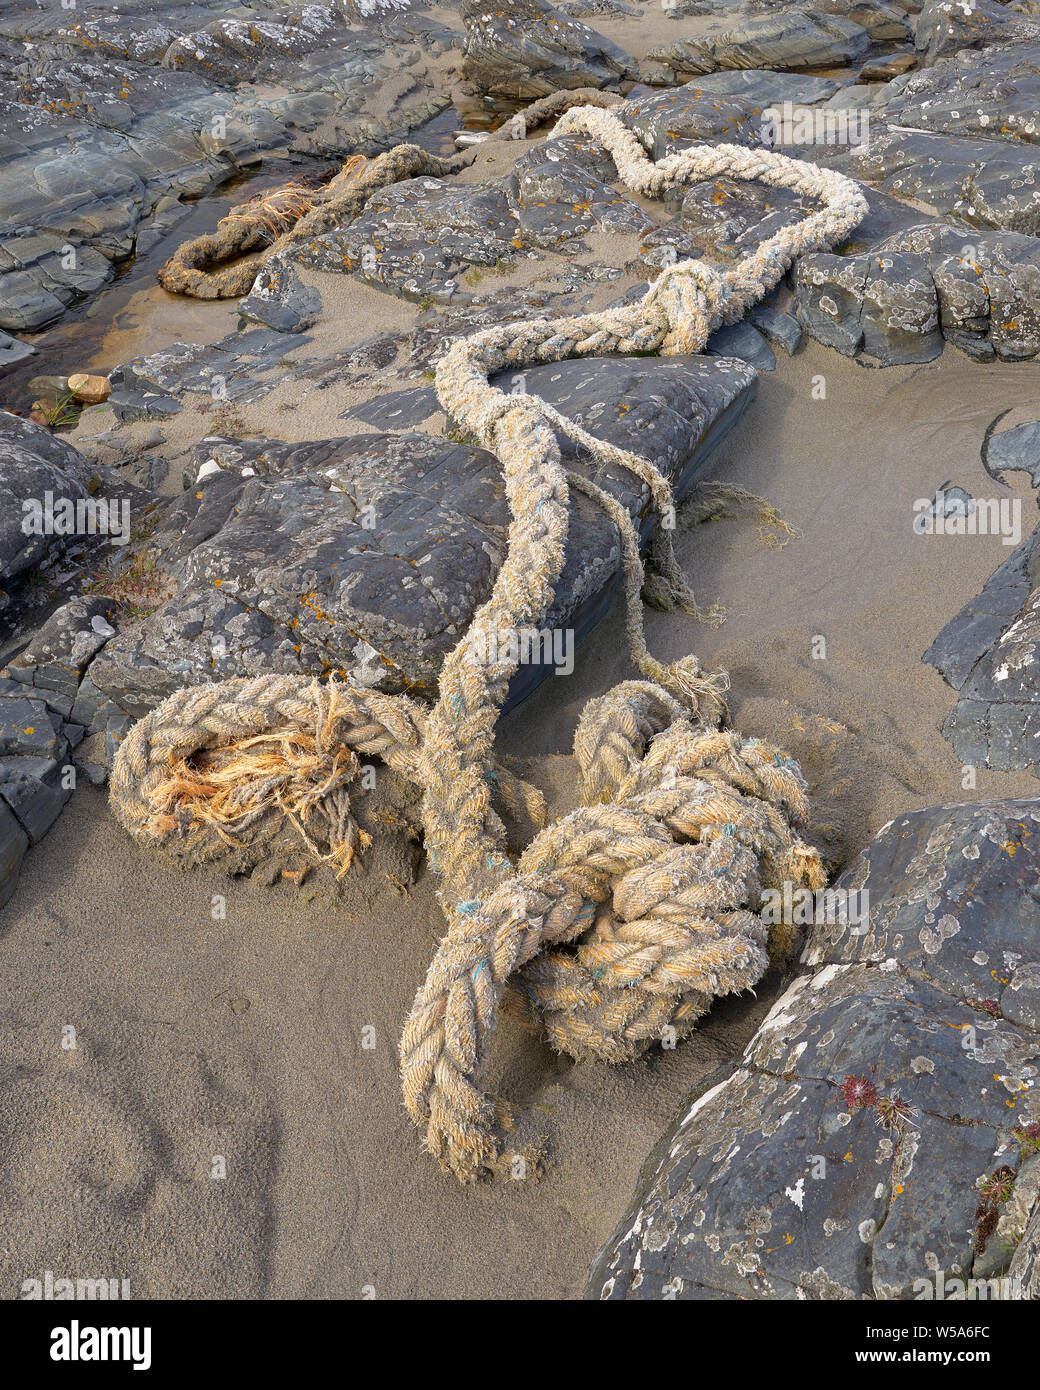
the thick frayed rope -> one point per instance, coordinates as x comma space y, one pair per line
622, 921
273, 222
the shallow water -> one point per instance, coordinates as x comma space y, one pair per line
133, 314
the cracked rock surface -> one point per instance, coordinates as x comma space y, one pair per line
932, 281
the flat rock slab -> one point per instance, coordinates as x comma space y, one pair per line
368, 555
35, 790
669, 121
416, 237
64, 647
945, 27
765, 87
744, 341
982, 182
956, 96
241, 367
13, 351
840, 1158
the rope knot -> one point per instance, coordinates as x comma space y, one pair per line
691, 295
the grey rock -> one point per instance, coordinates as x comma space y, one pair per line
987, 286
58, 702
29, 729
355, 363
587, 9
764, 87
742, 340
992, 95
1025, 1264
782, 330
1014, 450
887, 67
828, 300
132, 406
32, 788
397, 409
278, 299
788, 39
13, 351
777, 1180
92, 709
726, 218
977, 289
528, 49
368, 554
966, 639
983, 183
56, 656
438, 328
13, 844
900, 315
669, 121
561, 189
418, 236
987, 653
945, 27
883, 22
33, 464
242, 367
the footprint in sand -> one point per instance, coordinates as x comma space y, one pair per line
128, 1159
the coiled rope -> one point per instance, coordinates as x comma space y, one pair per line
274, 222
623, 919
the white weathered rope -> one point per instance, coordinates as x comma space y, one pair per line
657, 879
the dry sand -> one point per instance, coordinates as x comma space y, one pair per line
221, 1129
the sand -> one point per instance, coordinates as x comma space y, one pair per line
228, 1121
201, 1035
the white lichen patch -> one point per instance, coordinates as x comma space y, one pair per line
932, 940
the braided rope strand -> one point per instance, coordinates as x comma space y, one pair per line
628, 916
